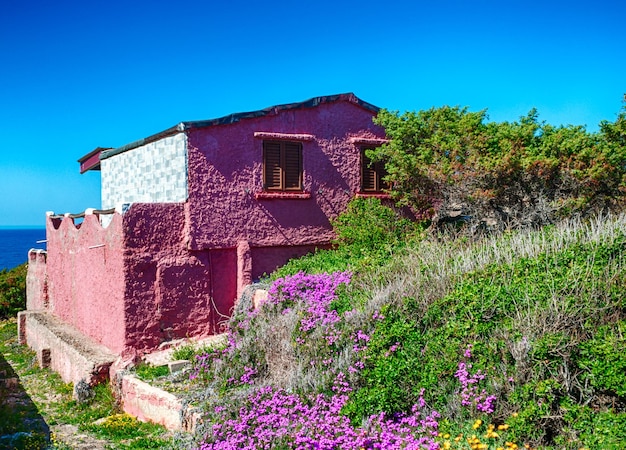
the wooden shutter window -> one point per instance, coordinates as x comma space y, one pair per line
368, 178
293, 166
272, 172
372, 174
282, 165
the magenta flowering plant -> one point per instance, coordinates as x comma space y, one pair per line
324, 341
274, 418
315, 294
471, 395
299, 323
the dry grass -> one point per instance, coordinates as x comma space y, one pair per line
430, 268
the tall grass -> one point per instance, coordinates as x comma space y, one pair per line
427, 269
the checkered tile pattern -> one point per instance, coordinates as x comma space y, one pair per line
153, 173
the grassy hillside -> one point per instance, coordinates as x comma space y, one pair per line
400, 338
430, 342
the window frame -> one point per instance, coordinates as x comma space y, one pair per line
376, 171
284, 165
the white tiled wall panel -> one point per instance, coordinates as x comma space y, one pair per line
153, 173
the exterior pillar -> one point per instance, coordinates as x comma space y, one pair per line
37, 280
244, 266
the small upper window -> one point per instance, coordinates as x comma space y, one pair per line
282, 166
372, 174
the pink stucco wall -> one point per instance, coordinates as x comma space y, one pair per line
225, 176
37, 280
135, 284
171, 292
86, 277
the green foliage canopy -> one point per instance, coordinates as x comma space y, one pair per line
504, 175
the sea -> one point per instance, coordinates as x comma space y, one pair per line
15, 243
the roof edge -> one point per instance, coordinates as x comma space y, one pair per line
155, 137
236, 117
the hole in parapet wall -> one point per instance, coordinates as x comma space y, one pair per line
46, 358
56, 222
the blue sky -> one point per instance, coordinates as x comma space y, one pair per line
78, 75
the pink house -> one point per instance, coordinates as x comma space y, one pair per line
193, 214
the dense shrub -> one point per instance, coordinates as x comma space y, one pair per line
368, 233
368, 226
12, 291
548, 330
451, 163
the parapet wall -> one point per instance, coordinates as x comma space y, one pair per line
134, 284
86, 278
37, 280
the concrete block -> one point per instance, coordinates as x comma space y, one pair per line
177, 366
64, 349
150, 404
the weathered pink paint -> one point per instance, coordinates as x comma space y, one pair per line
164, 271
134, 285
85, 266
37, 281
225, 173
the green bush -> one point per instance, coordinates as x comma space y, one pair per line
529, 323
368, 234
368, 226
501, 174
12, 291
604, 360
592, 428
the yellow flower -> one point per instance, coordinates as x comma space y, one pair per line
477, 424
503, 427
446, 436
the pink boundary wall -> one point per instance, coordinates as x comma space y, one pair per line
85, 277
134, 285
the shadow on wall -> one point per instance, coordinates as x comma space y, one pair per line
21, 425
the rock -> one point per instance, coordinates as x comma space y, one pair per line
83, 392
